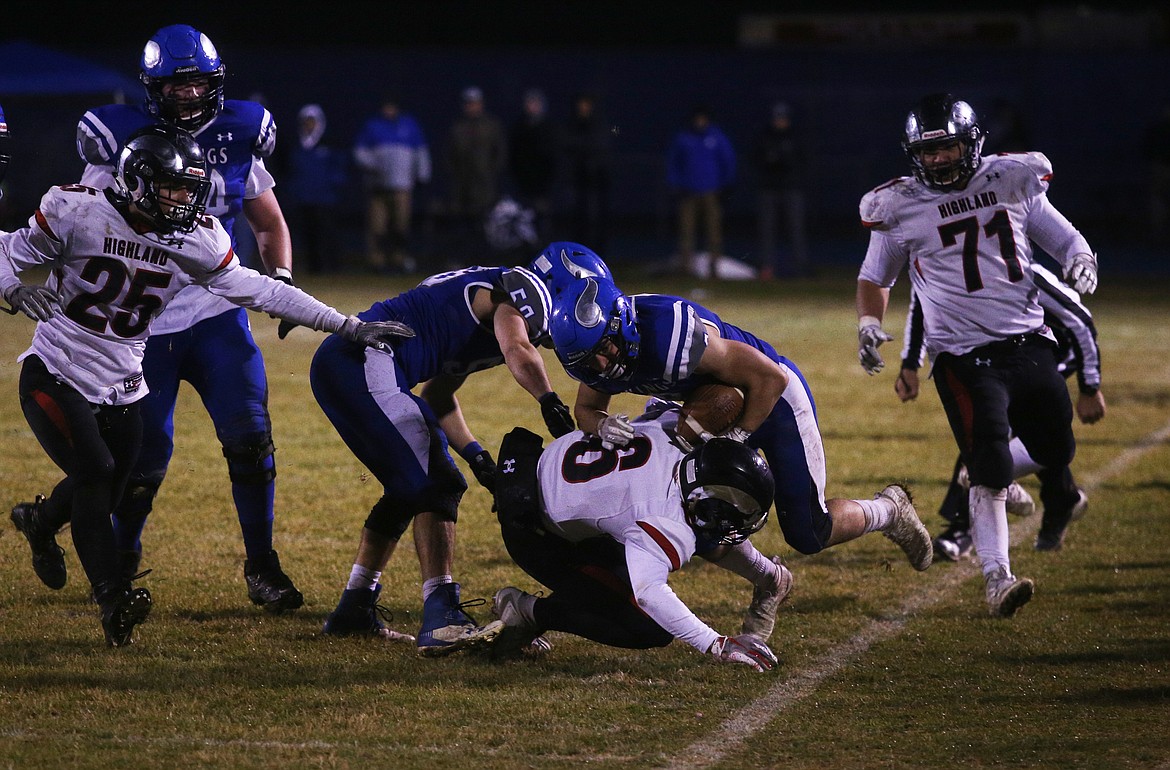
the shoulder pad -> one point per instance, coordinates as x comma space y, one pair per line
530, 296
1035, 165
877, 205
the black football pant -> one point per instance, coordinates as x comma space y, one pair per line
1011, 387
96, 446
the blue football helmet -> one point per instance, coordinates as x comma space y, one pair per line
589, 317
175, 56
5, 153
727, 489
563, 262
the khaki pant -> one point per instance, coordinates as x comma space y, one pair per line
690, 208
388, 214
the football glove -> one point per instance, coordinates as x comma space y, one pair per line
39, 303
738, 434
745, 650
374, 334
285, 326
557, 417
1082, 273
484, 468
869, 338
615, 430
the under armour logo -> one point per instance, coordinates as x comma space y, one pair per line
509, 465
228, 136
992, 175
983, 362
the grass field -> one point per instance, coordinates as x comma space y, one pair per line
881, 667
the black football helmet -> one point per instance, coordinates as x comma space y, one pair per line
157, 161
727, 489
176, 55
937, 120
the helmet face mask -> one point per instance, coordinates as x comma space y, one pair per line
942, 125
591, 319
727, 490
162, 173
183, 77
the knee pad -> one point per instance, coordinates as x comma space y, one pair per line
250, 460
138, 498
391, 515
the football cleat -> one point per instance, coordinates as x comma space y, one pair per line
119, 616
1052, 528
519, 636
447, 627
760, 618
359, 614
1019, 502
906, 529
48, 558
953, 544
1006, 593
269, 587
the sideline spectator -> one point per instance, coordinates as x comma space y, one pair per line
393, 154
780, 162
700, 165
476, 157
316, 175
586, 147
532, 158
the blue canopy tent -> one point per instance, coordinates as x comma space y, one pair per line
44, 92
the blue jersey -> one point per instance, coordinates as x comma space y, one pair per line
241, 135
673, 335
449, 338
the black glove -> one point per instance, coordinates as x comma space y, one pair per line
484, 468
284, 276
557, 417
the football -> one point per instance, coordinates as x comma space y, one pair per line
708, 411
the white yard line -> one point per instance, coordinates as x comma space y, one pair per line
742, 725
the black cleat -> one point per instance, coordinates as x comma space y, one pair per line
269, 587
127, 610
953, 544
48, 558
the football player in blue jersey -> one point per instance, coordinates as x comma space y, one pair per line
201, 338
466, 321
668, 346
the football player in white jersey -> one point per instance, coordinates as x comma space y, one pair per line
201, 338
604, 526
118, 256
1078, 354
964, 224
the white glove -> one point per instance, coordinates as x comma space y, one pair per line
744, 649
870, 337
37, 302
738, 434
1082, 273
615, 430
374, 334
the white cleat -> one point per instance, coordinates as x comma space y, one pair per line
1019, 502
760, 618
906, 530
1006, 593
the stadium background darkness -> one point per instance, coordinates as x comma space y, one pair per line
1088, 79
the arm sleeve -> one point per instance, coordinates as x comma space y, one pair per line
1062, 308
248, 288
913, 347
1052, 232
